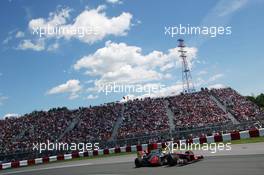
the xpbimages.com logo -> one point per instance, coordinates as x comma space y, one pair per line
61, 146
65, 31
115, 87
211, 31
183, 146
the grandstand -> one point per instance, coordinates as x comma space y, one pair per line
131, 122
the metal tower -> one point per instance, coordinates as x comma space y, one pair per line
187, 84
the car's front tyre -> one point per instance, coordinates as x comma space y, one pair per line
137, 163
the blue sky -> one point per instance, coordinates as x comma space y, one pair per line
53, 71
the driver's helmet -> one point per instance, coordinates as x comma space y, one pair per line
164, 151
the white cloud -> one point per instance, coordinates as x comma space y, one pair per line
121, 63
9, 37
202, 82
228, 7
203, 72
216, 86
20, 34
89, 26
168, 91
114, 1
26, 44
94, 21
91, 97
11, 115
28, 12
215, 77
2, 99
72, 87
53, 47
219, 15
89, 81
6, 41
37, 45
57, 18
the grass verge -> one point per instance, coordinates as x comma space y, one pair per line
249, 140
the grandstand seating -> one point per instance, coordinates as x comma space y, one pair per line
139, 117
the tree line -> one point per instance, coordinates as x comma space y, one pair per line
259, 99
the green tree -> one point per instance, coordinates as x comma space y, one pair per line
260, 100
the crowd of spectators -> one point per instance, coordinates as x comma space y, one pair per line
143, 117
139, 117
196, 110
242, 108
19, 134
95, 123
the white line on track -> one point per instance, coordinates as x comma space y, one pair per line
47, 168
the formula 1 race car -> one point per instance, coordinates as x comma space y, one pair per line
157, 157
154, 158
183, 158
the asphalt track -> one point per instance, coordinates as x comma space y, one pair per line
242, 162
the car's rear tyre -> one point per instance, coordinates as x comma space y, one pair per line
185, 161
190, 155
137, 163
171, 160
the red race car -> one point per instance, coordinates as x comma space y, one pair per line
158, 158
183, 158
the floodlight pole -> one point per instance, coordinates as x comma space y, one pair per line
187, 84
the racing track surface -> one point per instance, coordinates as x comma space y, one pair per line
250, 164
